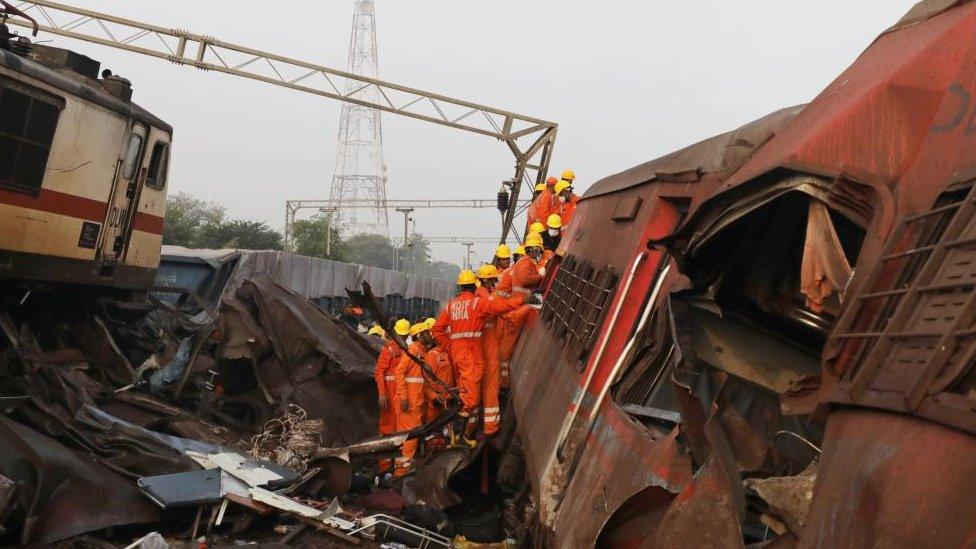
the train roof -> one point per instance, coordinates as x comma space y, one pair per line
80, 87
725, 152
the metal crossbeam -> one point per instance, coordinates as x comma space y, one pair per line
208, 53
292, 207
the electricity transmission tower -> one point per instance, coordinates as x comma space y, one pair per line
360, 172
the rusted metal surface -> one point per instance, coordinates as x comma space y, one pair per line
890, 480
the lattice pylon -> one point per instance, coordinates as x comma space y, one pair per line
360, 171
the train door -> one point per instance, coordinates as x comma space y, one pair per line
124, 195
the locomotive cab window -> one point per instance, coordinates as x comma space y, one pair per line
158, 165
28, 119
131, 162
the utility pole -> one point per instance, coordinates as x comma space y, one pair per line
329, 214
467, 254
406, 221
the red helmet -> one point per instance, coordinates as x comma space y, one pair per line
551, 181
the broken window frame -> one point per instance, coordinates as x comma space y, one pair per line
578, 283
158, 165
908, 338
31, 182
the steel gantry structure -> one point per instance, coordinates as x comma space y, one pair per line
329, 207
530, 139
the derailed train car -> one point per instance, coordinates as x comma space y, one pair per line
783, 311
83, 172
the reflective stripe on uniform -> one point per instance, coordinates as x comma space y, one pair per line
504, 373
521, 290
465, 335
390, 378
414, 379
503, 293
495, 409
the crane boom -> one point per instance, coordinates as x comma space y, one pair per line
530, 139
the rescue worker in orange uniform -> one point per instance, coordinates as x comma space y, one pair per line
437, 394
491, 381
553, 234
524, 277
503, 257
387, 361
410, 396
567, 200
459, 328
544, 202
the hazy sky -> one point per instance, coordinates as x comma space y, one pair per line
626, 80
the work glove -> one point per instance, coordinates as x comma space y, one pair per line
384, 402
404, 405
533, 299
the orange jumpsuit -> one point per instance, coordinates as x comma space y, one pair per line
439, 363
386, 387
410, 387
542, 207
521, 278
459, 327
491, 379
567, 209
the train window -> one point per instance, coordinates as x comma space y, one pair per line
132, 156
27, 124
576, 302
158, 164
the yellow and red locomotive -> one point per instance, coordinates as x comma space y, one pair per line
82, 172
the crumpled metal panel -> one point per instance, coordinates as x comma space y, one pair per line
63, 493
306, 357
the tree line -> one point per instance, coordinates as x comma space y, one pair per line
196, 223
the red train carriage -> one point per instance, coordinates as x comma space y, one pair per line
726, 313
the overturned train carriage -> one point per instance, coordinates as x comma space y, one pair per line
771, 333
82, 172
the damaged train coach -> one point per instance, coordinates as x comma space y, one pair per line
769, 336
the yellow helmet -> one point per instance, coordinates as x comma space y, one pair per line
520, 250
419, 327
568, 175
487, 271
377, 331
536, 227
534, 240
554, 221
430, 322
562, 186
503, 251
402, 327
467, 277
540, 187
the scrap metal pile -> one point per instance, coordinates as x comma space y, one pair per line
156, 424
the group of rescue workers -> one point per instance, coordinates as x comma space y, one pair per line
467, 348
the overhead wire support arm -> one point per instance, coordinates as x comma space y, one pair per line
208, 53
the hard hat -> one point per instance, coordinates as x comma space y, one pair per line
430, 322
402, 327
554, 221
569, 175
377, 330
536, 227
419, 327
534, 240
487, 271
520, 250
550, 181
467, 277
540, 187
503, 251
562, 186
